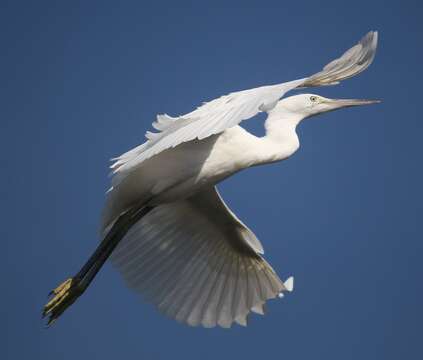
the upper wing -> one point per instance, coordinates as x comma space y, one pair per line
197, 263
229, 110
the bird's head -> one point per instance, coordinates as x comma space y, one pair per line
307, 105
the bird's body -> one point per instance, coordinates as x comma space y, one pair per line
191, 166
165, 226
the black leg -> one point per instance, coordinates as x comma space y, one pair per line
66, 293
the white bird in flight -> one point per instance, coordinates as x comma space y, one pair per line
167, 229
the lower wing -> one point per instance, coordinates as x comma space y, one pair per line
197, 263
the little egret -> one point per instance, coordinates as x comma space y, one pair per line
165, 226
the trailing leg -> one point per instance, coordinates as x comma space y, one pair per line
67, 292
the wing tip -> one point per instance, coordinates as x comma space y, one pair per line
355, 60
289, 284
372, 35
370, 41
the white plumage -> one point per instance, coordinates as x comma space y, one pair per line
227, 111
187, 252
191, 256
197, 262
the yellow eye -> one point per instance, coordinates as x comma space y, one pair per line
313, 98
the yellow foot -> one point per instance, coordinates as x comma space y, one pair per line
63, 297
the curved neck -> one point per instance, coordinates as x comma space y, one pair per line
281, 124
281, 136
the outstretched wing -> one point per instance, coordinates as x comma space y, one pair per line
198, 263
229, 110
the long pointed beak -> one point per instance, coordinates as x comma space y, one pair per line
341, 103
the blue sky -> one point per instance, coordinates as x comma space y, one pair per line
82, 82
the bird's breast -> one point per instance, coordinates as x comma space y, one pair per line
202, 163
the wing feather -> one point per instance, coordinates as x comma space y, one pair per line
197, 262
229, 110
